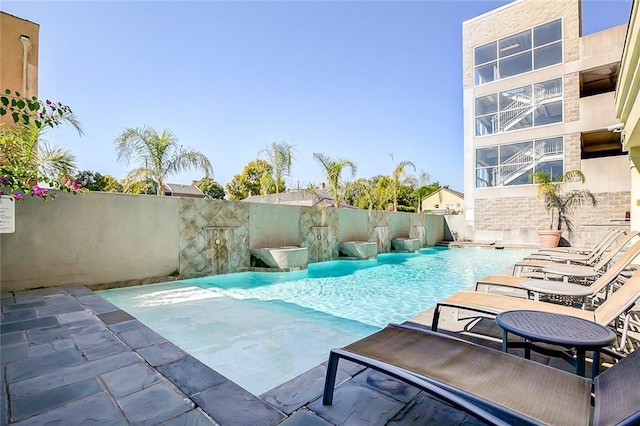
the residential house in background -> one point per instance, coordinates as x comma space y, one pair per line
538, 95
300, 197
443, 201
179, 190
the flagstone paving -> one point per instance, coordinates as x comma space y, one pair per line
67, 356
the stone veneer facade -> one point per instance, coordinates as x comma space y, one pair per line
517, 215
512, 214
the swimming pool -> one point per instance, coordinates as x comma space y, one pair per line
262, 329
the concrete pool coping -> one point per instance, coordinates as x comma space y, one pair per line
68, 354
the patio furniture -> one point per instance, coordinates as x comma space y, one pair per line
617, 305
557, 288
557, 329
608, 236
600, 266
497, 387
588, 258
602, 283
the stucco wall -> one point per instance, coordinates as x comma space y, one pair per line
99, 238
353, 225
89, 239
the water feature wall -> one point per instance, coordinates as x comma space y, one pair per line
379, 226
141, 239
319, 231
213, 237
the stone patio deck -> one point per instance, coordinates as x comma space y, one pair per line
70, 357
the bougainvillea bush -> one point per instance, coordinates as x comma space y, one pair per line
26, 161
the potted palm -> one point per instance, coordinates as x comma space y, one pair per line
560, 205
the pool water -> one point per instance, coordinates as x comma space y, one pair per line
262, 329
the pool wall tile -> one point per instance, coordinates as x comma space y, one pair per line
213, 237
319, 232
379, 227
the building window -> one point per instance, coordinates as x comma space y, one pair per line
513, 164
527, 106
436, 206
535, 48
458, 205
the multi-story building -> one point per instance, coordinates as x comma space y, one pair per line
628, 107
19, 53
539, 96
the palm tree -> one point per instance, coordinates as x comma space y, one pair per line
333, 172
159, 155
550, 191
281, 156
399, 179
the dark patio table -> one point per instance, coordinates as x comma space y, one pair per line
557, 329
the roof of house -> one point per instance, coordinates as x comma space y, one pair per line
456, 193
300, 197
178, 190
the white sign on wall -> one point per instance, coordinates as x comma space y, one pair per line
7, 215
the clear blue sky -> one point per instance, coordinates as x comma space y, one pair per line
357, 80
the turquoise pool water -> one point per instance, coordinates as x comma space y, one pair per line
262, 329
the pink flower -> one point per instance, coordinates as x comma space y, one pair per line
17, 196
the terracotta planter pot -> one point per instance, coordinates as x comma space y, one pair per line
549, 238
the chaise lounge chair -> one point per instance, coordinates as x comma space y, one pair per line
494, 386
618, 304
599, 267
612, 273
611, 235
589, 258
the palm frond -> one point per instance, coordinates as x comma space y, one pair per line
55, 162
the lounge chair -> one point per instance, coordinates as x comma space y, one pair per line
605, 280
611, 234
533, 265
618, 304
589, 258
497, 387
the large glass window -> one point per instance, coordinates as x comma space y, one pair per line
519, 108
513, 164
528, 50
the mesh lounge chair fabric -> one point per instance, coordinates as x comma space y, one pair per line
514, 389
612, 273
